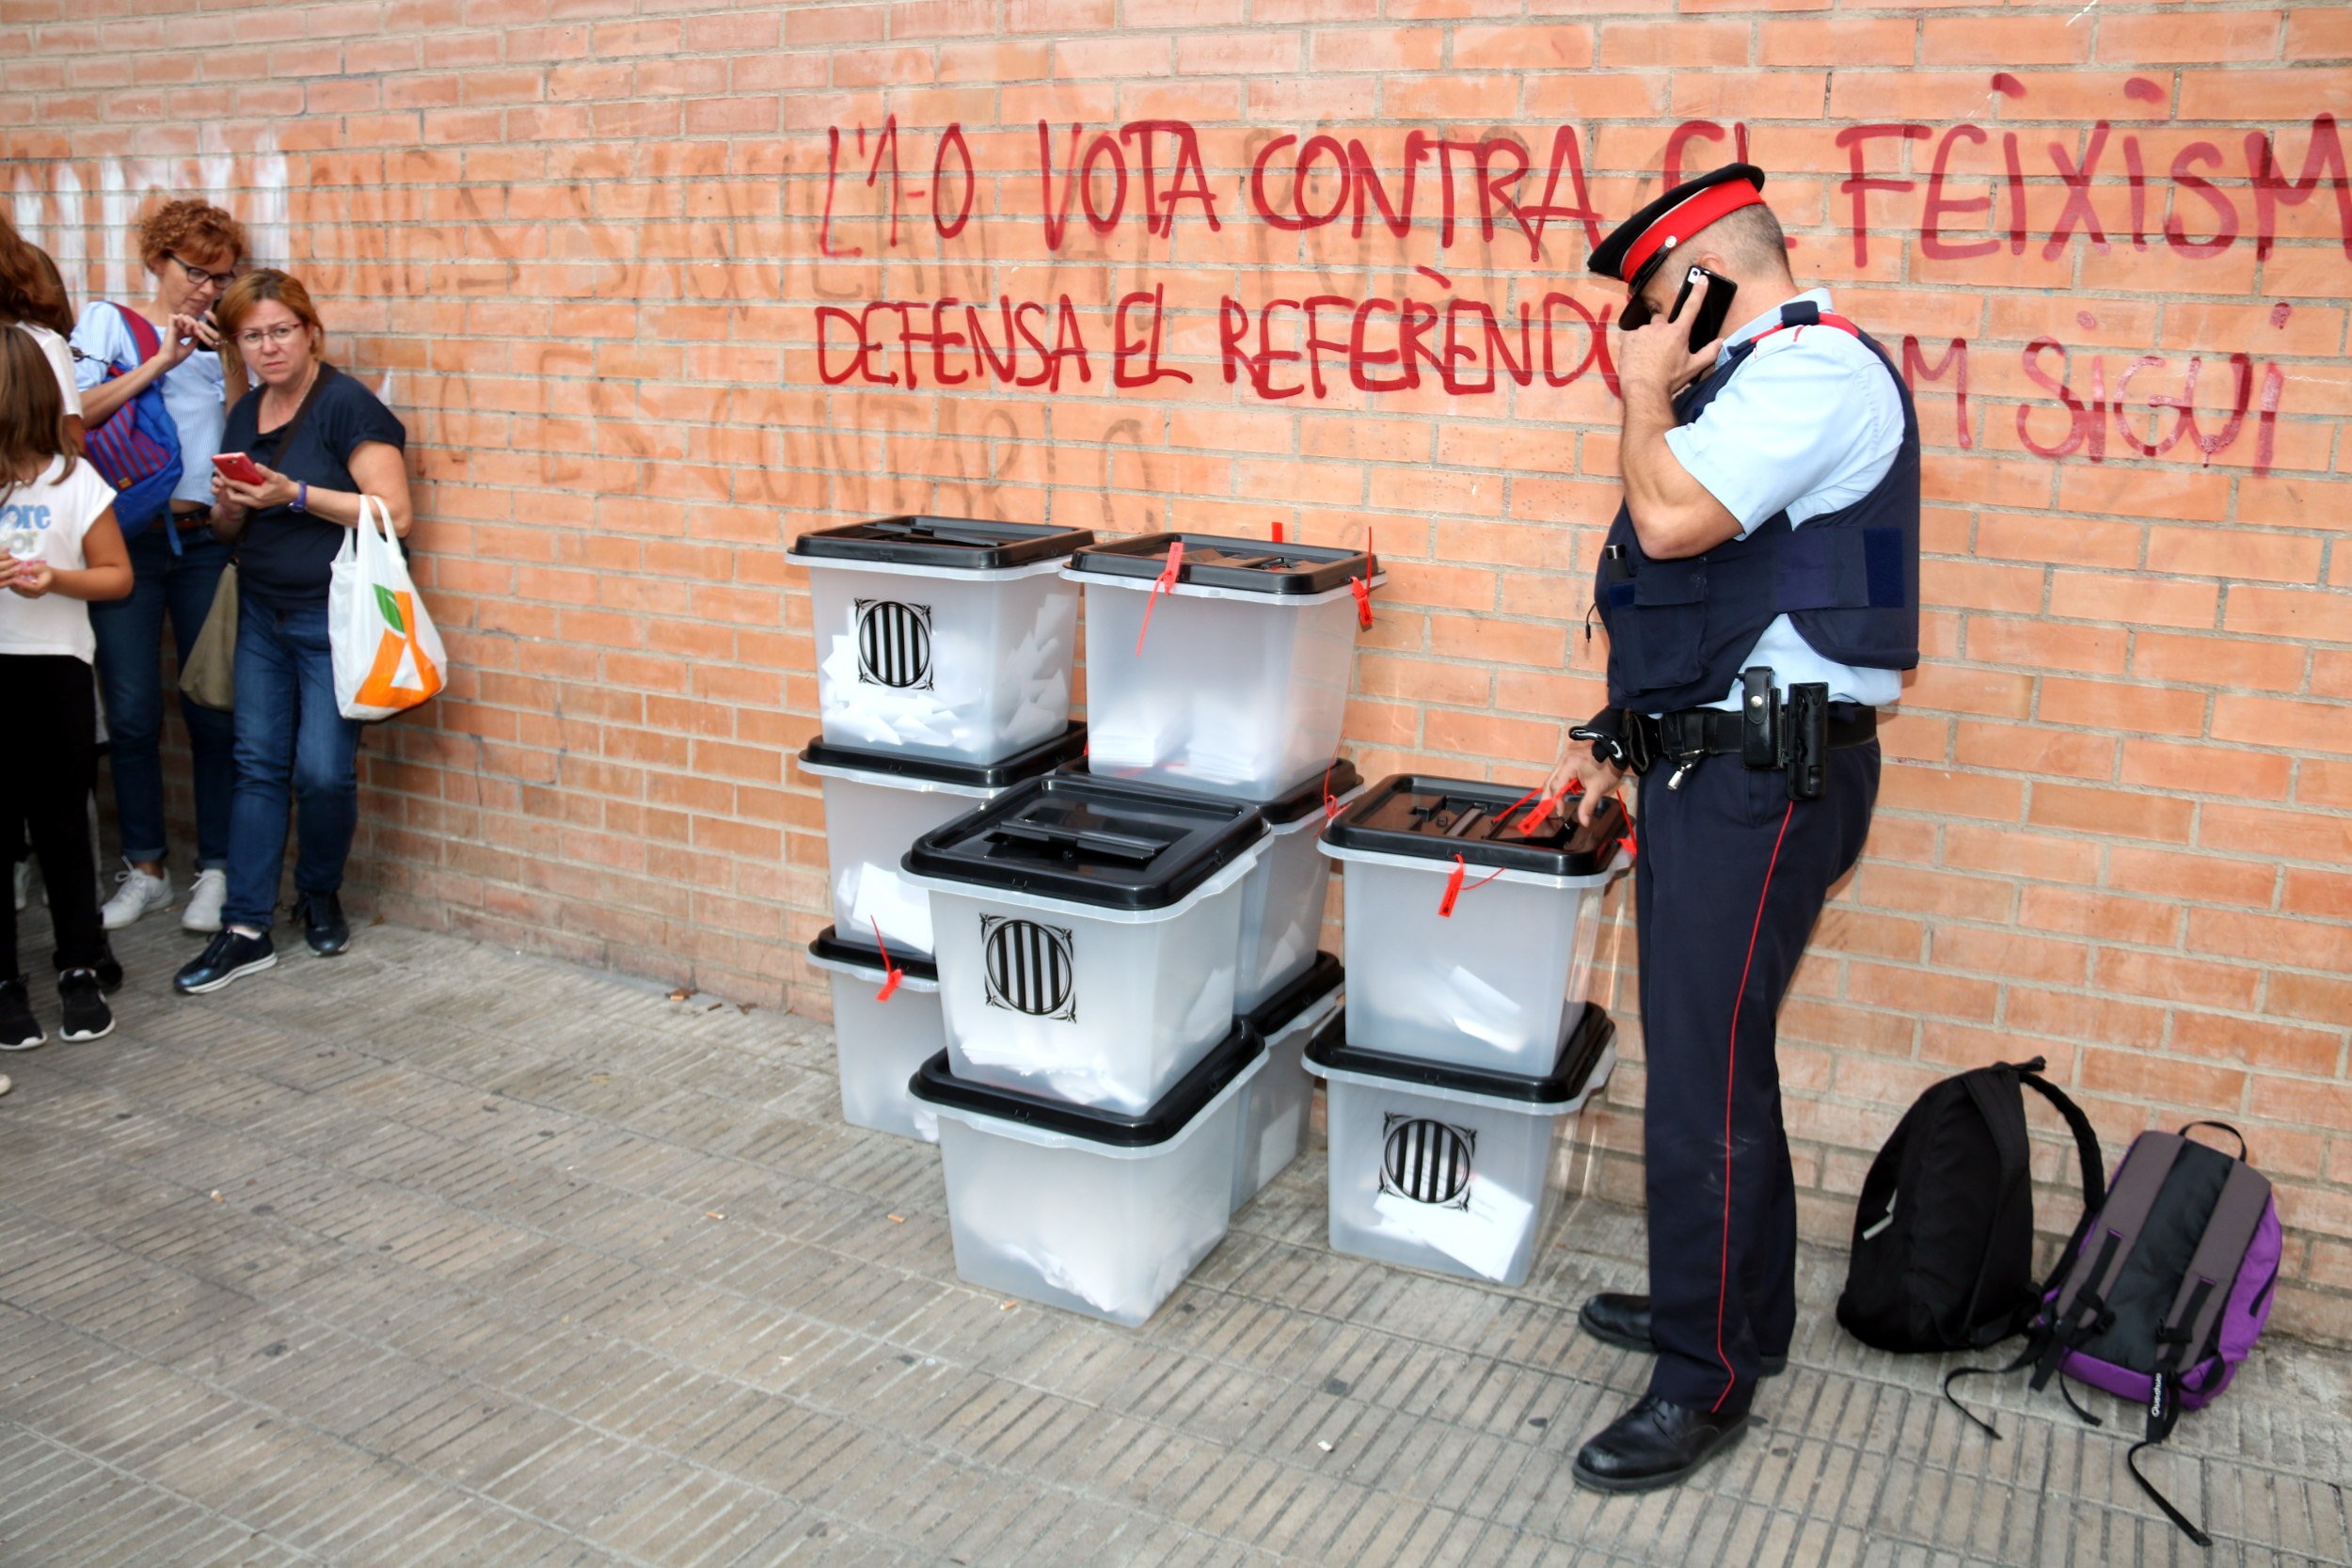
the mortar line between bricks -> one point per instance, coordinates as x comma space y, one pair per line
145, 1483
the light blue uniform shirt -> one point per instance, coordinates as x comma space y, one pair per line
1809, 424
193, 393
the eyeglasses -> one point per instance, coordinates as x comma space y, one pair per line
1637, 311
253, 337
199, 277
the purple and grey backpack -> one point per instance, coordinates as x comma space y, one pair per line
2163, 1289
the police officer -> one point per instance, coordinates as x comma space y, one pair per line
1760, 587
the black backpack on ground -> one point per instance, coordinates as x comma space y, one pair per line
1943, 1240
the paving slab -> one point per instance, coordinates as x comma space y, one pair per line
437, 1253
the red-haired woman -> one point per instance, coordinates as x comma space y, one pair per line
191, 249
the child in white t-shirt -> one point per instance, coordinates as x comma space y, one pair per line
60, 548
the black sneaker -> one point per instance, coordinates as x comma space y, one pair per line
225, 957
323, 924
19, 1029
86, 1015
109, 973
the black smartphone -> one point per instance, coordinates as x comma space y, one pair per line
1706, 323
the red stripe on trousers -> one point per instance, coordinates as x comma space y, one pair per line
1723, 1272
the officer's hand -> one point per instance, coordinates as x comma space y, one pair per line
1656, 361
1599, 780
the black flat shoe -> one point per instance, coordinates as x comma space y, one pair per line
83, 999
1615, 1318
1654, 1444
19, 1029
224, 958
323, 924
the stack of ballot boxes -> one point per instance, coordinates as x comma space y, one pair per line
945, 651
1467, 1042
1127, 953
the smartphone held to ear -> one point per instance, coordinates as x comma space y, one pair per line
1706, 321
237, 466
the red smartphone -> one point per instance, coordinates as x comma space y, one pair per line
237, 466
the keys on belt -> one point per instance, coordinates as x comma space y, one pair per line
1795, 736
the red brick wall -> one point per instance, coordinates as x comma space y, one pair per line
592, 245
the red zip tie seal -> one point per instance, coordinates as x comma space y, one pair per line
1454, 888
1361, 587
1165, 583
1330, 807
1278, 533
892, 973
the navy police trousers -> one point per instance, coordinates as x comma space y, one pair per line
1729, 881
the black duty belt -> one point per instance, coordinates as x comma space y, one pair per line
1795, 736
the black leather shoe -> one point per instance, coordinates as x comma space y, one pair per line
224, 958
1617, 1318
1654, 1444
323, 924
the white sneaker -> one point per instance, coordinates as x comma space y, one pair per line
205, 897
4, 1085
23, 884
135, 894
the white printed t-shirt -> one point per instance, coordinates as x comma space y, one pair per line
59, 508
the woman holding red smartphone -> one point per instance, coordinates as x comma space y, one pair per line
318, 441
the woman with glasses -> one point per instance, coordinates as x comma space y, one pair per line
190, 249
321, 441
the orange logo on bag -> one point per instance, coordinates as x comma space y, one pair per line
402, 675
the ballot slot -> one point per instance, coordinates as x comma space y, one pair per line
1086, 933
1277, 1104
1453, 1170
887, 1026
1282, 900
877, 803
1225, 670
1470, 941
1094, 1211
946, 638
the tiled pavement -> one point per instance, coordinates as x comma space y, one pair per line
437, 1254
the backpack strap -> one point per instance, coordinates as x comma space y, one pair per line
2091, 1159
2204, 1284
144, 338
2081, 1308
2004, 1118
2163, 1412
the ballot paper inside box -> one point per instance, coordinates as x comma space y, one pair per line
1238, 684
882, 1033
1469, 938
879, 802
941, 638
1448, 1169
1086, 933
1092, 1211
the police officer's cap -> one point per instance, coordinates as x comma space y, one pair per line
1640, 245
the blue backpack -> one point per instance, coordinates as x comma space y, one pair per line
136, 449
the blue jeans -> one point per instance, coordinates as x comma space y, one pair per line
129, 634
291, 739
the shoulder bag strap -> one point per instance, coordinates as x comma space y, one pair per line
291, 428
145, 340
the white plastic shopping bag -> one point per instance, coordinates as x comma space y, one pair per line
388, 657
